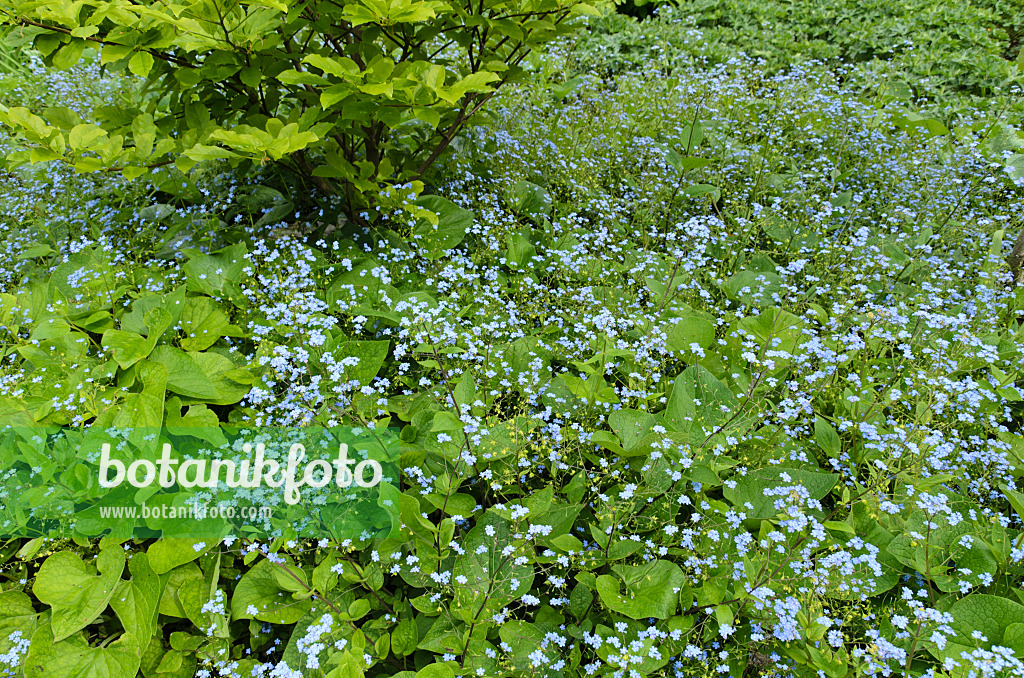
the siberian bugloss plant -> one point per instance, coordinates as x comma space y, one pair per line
349, 95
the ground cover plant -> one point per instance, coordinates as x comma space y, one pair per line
708, 364
968, 47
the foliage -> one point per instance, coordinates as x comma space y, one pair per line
702, 371
349, 95
965, 47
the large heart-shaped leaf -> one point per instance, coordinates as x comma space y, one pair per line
261, 589
451, 227
204, 322
652, 590
137, 600
76, 595
75, 658
699, 404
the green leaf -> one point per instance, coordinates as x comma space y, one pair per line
141, 63
69, 55
348, 667
204, 322
140, 410
137, 601
378, 89
1016, 500
371, 355
343, 67
520, 251
750, 488
199, 421
76, 594
474, 82
113, 52
215, 274
230, 383
451, 227
1014, 638
62, 117
580, 600
184, 375
260, 587
170, 604
945, 546
128, 347
652, 590
827, 437
991, 615
531, 200
631, 426
404, 638
692, 136
16, 614
329, 97
753, 288
75, 658
690, 329
918, 124
438, 670
82, 137
489, 587
33, 251
202, 152
166, 554
778, 330
699, 404
136, 319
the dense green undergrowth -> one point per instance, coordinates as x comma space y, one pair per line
971, 48
710, 367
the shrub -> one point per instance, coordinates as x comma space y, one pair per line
349, 95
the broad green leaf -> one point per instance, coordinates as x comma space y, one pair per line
688, 330
827, 437
631, 426
76, 593
489, 574
531, 200
451, 227
520, 251
988, 614
62, 116
438, 670
750, 488
348, 667
166, 554
137, 600
16, 614
404, 638
141, 63
75, 658
230, 383
128, 347
700, 404
753, 288
371, 356
259, 588
82, 137
204, 322
652, 590
184, 375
